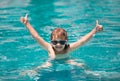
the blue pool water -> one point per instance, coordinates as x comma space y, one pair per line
20, 53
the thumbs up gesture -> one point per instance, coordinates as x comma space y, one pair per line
24, 20
98, 27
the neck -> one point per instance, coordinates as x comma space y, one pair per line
60, 52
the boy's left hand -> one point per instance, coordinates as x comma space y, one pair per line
98, 27
24, 20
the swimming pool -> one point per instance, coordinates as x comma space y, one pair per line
20, 52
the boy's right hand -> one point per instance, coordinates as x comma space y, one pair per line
24, 20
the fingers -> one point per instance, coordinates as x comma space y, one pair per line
97, 22
100, 25
22, 19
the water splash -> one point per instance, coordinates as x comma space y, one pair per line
30, 73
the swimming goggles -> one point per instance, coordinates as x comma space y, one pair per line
62, 42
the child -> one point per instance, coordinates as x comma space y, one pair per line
58, 48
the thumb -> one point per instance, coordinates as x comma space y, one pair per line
97, 23
25, 19
26, 16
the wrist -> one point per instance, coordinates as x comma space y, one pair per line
95, 30
26, 23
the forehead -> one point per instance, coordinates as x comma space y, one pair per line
59, 33
58, 37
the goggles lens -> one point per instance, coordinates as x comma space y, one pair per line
62, 42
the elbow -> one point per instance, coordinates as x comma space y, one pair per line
52, 57
84, 40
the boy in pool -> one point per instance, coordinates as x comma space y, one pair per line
58, 48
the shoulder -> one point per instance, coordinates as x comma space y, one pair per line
67, 46
71, 47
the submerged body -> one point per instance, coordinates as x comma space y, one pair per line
62, 56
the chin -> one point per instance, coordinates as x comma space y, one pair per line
59, 49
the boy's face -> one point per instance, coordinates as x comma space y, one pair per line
58, 44
59, 39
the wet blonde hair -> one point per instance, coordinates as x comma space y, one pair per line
59, 33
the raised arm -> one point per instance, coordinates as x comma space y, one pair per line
33, 32
85, 38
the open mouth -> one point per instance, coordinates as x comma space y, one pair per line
58, 46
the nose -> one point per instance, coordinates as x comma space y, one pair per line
58, 44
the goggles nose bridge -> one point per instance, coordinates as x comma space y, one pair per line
62, 42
